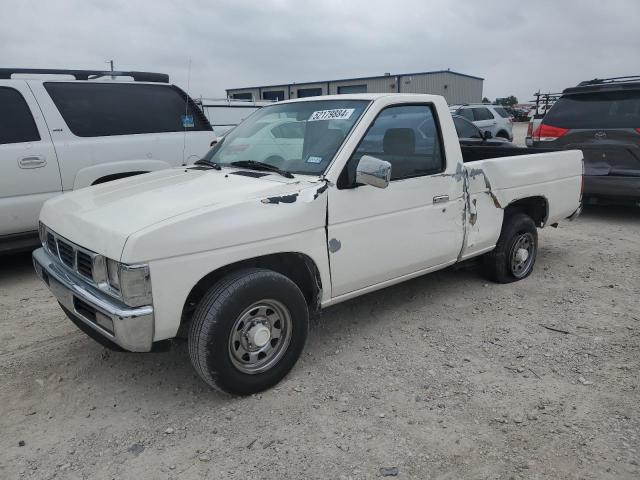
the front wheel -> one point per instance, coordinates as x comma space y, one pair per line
248, 331
516, 250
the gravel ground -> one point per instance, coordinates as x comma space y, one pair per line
446, 376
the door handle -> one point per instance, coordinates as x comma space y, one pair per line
35, 161
440, 198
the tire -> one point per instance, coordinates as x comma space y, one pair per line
507, 263
104, 341
503, 134
228, 342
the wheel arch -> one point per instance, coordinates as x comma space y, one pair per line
536, 207
298, 267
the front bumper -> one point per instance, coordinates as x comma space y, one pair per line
130, 328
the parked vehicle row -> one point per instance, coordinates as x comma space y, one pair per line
488, 118
58, 135
239, 249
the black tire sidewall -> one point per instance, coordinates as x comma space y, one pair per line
518, 224
497, 263
223, 311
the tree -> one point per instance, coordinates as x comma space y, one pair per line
509, 101
486, 100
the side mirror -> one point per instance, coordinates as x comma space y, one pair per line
487, 135
373, 171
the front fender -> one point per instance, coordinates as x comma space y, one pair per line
87, 176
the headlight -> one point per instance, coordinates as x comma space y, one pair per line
132, 281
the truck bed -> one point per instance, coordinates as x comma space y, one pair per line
553, 178
473, 153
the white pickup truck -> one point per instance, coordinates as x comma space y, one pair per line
62, 130
363, 192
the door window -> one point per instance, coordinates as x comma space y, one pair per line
405, 136
465, 129
16, 122
103, 109
482, 113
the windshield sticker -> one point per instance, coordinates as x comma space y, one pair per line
314, 159
187, 121
335, 114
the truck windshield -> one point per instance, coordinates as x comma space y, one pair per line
298, 137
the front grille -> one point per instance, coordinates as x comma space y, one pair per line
51, 244
66, 253
71, 255
84, 264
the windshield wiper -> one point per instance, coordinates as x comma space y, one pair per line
255, 165
204, 161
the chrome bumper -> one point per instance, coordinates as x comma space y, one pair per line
131, 328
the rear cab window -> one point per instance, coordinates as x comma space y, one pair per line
16, 121
98, 109
596, 110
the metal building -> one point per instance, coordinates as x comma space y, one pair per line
455, 87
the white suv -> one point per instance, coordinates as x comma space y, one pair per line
489, 118
75, 128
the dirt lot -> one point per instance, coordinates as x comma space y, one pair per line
446, 376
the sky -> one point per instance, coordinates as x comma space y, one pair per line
207, 46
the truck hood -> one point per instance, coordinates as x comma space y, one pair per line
102, 217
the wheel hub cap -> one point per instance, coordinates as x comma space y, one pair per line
522, 255
259, 335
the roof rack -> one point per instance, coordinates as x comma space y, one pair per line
6, 73
600, 81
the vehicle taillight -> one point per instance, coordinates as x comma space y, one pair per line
546, 133
638, 130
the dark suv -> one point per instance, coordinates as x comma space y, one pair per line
602, 118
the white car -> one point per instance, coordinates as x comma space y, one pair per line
240, 253
61, 130
488, 118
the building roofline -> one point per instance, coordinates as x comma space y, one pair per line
374, 77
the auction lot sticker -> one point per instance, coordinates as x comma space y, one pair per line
335, 114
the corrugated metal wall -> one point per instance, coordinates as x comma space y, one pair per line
455, 88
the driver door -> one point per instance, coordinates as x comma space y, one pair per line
379, 235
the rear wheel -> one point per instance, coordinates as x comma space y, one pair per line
516, 250
248, 331
503, 134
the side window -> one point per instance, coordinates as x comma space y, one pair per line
465, 129
97, 109
482, 113
16, 122
405, 136
466, 113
